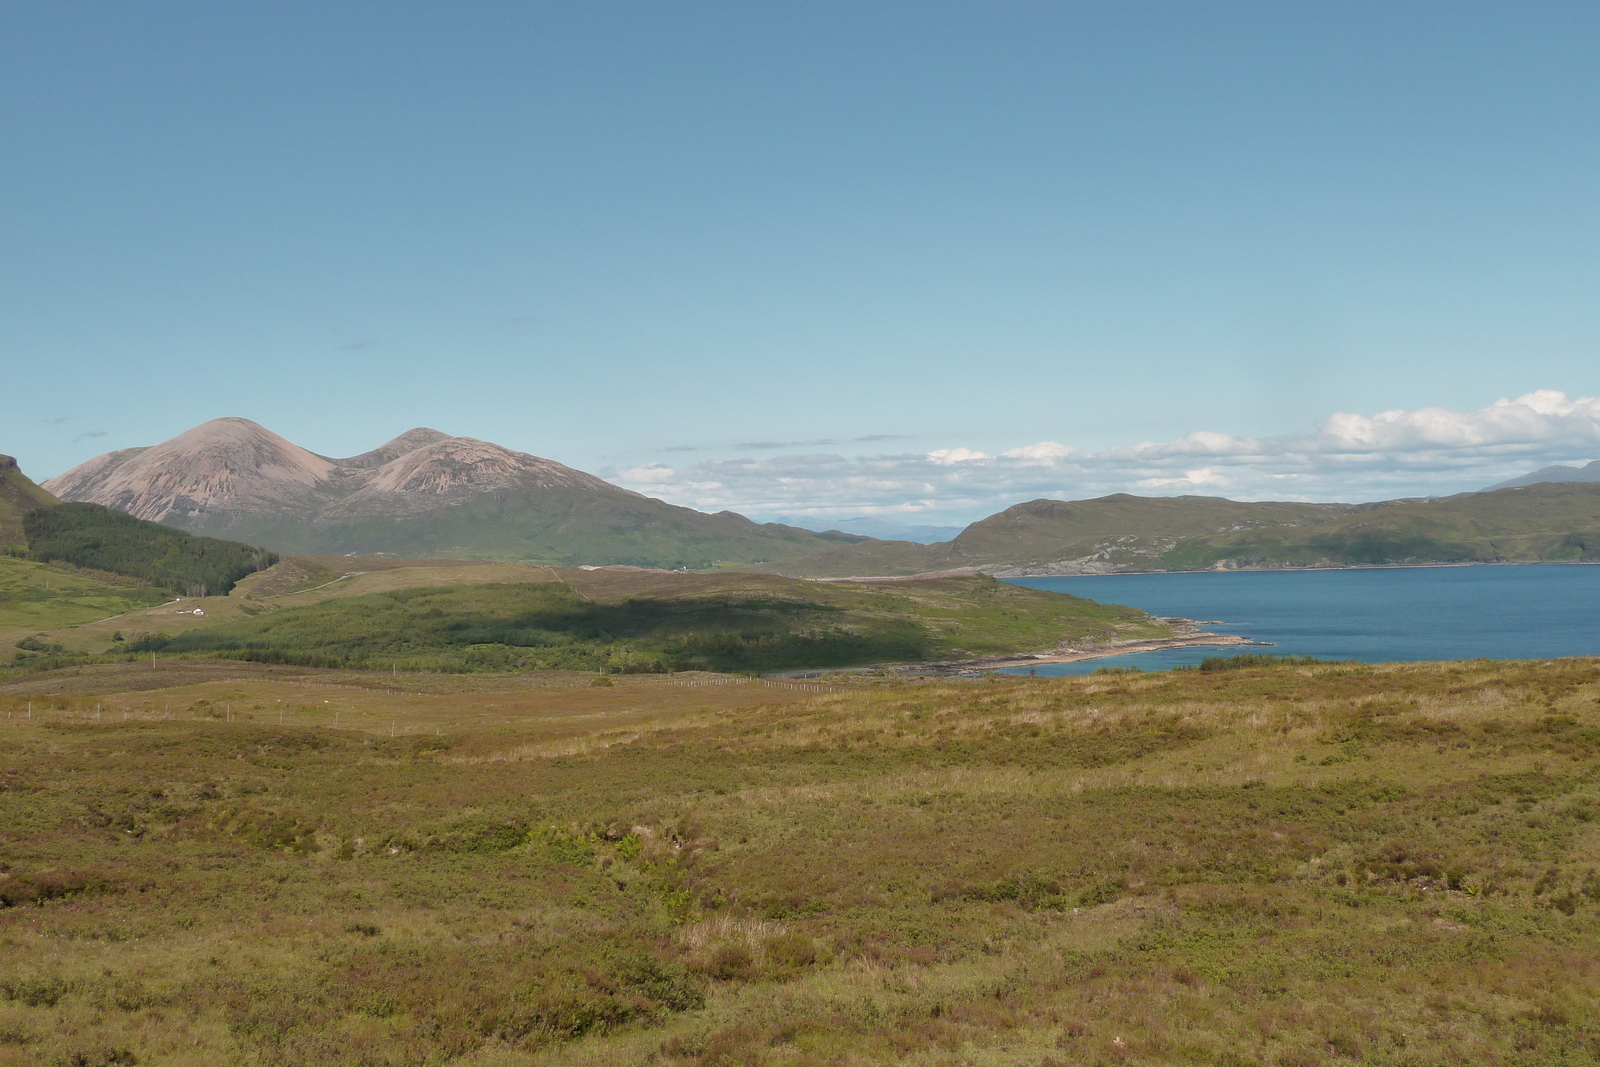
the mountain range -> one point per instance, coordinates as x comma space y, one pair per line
427, 494
424, 493
1589, 472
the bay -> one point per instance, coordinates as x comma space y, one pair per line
1537, 611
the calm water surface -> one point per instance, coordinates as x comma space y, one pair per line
1508, 612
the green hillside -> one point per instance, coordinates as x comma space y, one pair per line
867, 558
1118, 532
1550, 522
88, 535
565, 526
18, 496
35, 596
655, 622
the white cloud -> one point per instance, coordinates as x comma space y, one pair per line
1043, 453
1544, 416
649, 474
949, 457
1190, 480
1429, 451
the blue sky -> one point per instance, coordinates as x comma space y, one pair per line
816, 259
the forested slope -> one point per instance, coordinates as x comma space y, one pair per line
98, 538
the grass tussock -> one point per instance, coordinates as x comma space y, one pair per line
1281, 864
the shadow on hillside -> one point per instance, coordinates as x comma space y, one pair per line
550, 627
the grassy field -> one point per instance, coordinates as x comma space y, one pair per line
35, 597
209, 862
473, 615
633, 621
297, 581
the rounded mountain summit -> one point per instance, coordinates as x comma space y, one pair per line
424, 493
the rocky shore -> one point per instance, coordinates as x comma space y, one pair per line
1186, 633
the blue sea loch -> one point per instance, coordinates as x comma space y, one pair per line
1535, 611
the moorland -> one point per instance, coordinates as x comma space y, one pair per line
444, 811
208, 861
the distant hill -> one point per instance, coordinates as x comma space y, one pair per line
1100, 536
423, 494
1547, 522
1113, 533
1590, 472
1541, 523
18, 496
881, 528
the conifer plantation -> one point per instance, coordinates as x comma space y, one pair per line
98, 538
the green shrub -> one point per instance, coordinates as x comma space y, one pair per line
34, 992
568, 846
35, 644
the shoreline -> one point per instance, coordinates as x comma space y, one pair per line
1120, 648
1187, 635
961, 572
1294, 570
